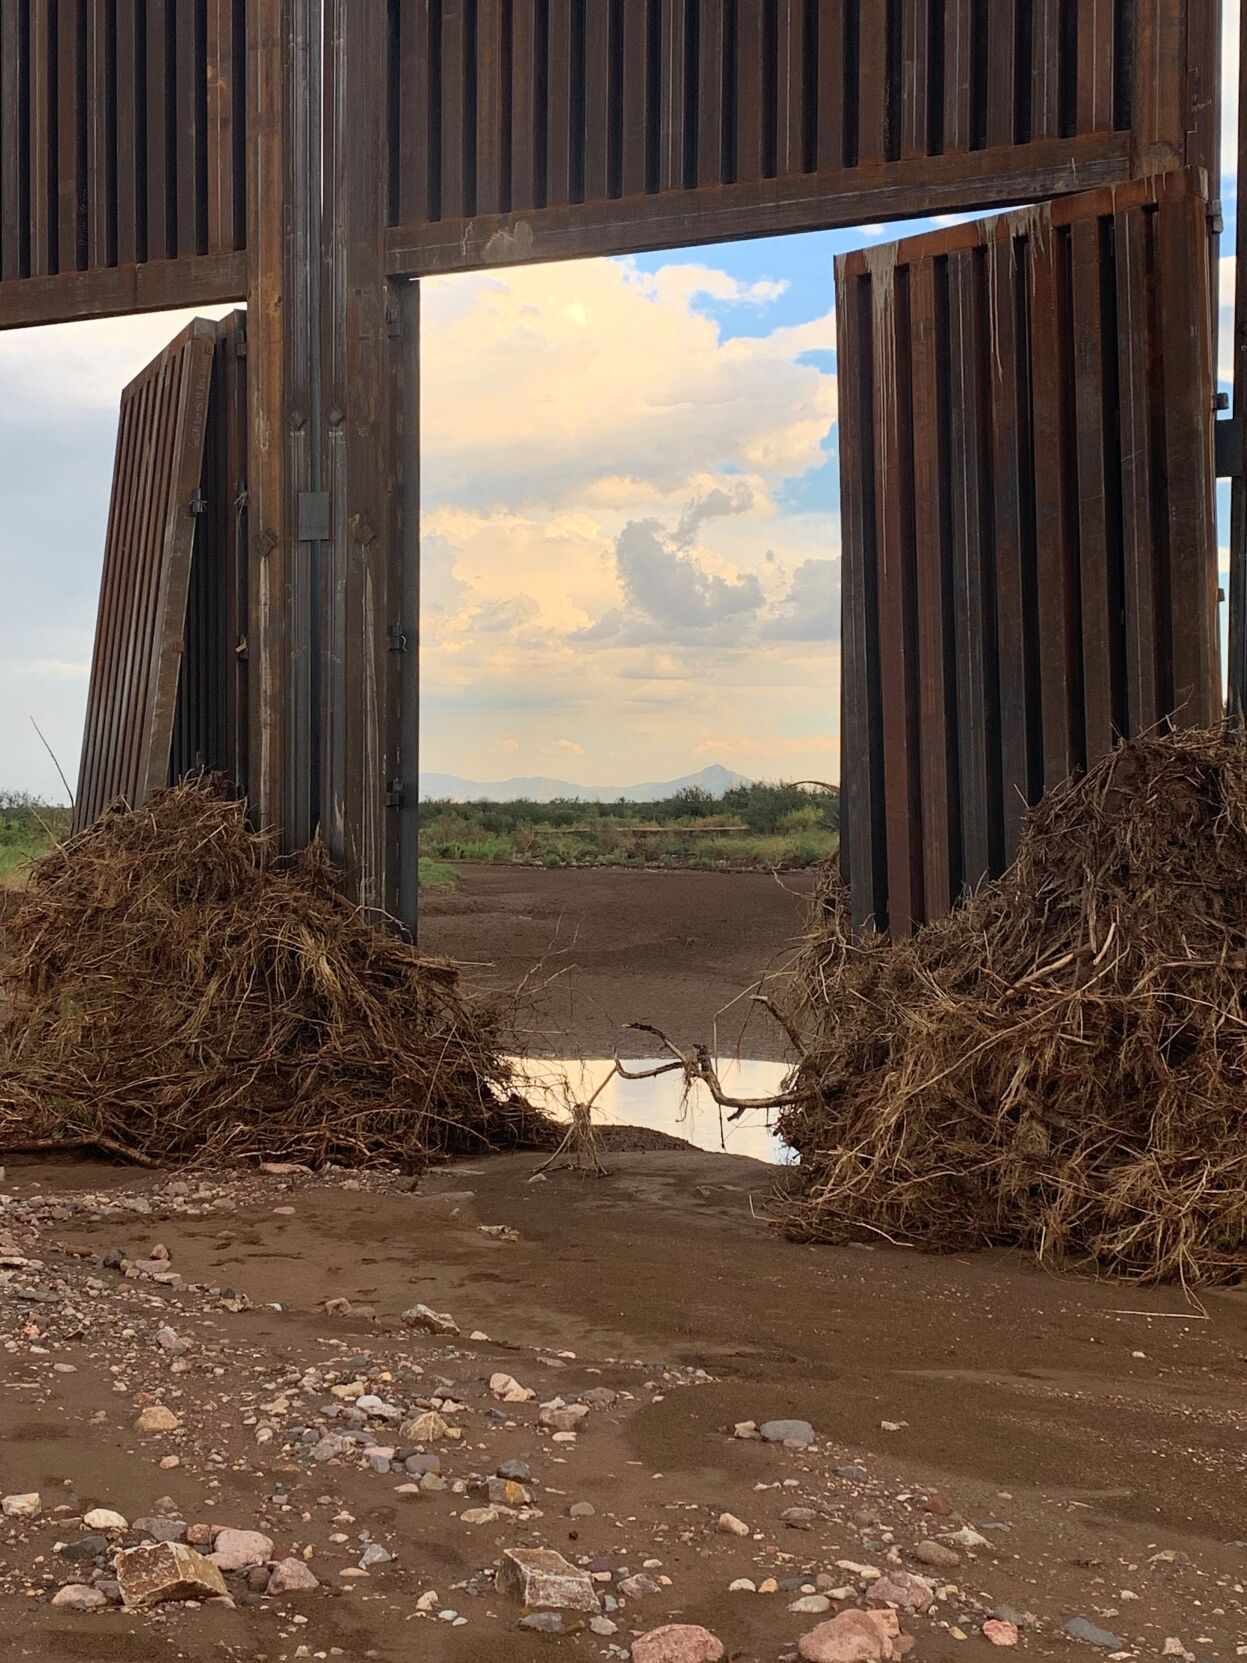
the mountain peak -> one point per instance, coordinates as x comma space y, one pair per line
715, 779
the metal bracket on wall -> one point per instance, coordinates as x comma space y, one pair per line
1231, 452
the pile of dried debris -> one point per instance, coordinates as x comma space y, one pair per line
177, 992
1062, 1063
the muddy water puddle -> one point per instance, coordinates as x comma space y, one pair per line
663, 1104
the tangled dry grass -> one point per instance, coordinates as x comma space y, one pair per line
176, 992
1061, 1063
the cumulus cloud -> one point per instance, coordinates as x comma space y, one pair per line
810, 611
542, 382
670, 587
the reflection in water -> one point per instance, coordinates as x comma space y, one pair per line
661, 1105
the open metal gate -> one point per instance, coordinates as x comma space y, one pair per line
151, 531
168, 680
1026, 444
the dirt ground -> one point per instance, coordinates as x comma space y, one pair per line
993, 1442
678, 949
1091, 1435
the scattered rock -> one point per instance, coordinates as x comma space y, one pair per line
581, 1510
1000, 1633
157, 1419
165, 1571
730, 1525
429, 1428
507, 1389
427, 1321
855, 1637
561, 1417
89, 1547
552, 1622
237, 1550
102, 1518
899, 1588
968, 1538
292, 1576
799, 1518
639, 1587
520, 1471
787, 1432
1080, 1628
162, 1529
542, 1580
811, 1605
505, 1492
935, 1553
22, 1507
373, 1555
78, 1597
678, 1643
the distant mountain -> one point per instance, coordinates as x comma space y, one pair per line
438, 787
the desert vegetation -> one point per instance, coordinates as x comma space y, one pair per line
751, 827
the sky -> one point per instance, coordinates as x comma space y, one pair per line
631, 514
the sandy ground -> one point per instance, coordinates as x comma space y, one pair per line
678, 949
1090, 1436
1092, 1439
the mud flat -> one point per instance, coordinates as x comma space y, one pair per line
672, 948
1000, 1445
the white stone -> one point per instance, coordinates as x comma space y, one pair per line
541, 1580
238, 1550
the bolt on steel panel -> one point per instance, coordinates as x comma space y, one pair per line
1029, 535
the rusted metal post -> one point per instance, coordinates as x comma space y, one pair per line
1238, 490
282, 231
362, 639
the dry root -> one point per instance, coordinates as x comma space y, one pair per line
176, 993
1061, 1064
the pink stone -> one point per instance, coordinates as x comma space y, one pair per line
678, 1643
856, 1637
1000, 1633
901, 1588
292, 1576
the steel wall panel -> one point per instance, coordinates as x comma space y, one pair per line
211, 730
580, 127
122, 156
1020, 589
132, 704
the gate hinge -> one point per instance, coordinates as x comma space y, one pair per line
397, 640
241, 650
1231, 453
1216, 219
394, 794
199, 502
394, 323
